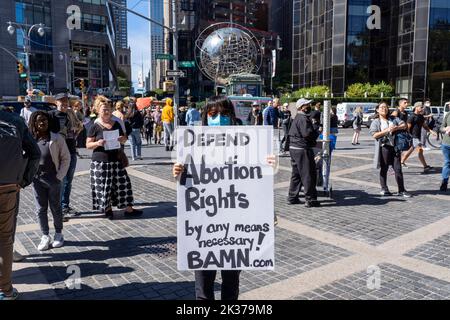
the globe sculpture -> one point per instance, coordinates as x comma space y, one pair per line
227, 49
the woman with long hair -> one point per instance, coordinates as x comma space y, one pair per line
219, 111
383, 130
110, 183
357, 123
53, 167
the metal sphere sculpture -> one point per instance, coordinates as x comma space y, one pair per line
226, 49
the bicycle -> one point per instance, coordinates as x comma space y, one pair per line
435, 141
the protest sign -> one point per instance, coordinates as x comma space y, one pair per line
225, 198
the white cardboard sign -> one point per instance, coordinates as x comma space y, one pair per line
225, 198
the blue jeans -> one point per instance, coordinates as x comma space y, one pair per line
66, 186
136, 143
446, 167
168, 134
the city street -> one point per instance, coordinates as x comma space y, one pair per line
332, 252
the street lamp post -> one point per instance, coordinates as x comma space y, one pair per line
63, 56
27, 43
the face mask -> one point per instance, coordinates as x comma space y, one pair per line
308, 110
219, 120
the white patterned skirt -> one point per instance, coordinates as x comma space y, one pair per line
110, 185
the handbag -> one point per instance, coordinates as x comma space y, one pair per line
123, 159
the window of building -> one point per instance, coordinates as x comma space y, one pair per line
92, 22
120, 59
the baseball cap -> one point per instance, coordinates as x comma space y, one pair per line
255, 104
28, 99
302, 102
418, 104
61, 96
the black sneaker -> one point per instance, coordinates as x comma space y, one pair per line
109, 214
385, 193
134, 213
294, 201
404, 194
171, 148
427, 168
167, 148
69, 212
444, 186
312, 204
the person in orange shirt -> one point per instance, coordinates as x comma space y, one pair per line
167, 118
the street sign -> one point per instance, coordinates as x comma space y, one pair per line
187, 64
165, 56
175, 73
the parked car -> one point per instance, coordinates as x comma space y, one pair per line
345, 111
438, 113
17, 106
368, 117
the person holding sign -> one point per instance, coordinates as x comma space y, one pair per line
110, 183
219, 111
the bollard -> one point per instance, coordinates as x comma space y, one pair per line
326, 158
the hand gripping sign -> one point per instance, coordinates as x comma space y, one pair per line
225, 198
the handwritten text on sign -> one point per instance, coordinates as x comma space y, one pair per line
225, 198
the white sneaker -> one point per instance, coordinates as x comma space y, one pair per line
58, 242
45, 243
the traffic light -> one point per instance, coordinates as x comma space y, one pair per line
20, 67
82, 84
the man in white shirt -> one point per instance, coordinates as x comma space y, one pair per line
27, 109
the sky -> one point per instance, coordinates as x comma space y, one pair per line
138, 39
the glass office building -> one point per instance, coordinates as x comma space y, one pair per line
337, 43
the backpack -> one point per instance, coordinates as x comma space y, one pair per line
12, 162
403, 141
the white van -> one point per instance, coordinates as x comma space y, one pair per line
345, 111
446, 108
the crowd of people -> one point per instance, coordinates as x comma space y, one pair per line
43, 153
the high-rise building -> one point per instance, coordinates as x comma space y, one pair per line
405, 43
63, 56
157, 36
121, 24
281, 23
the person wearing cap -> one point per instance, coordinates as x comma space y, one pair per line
302, 139
255, 116
27, 110
415, 124
69, 127
285, 116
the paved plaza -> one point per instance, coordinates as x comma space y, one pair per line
331, 252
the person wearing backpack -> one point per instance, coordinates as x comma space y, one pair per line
19, 165
357, 123
383, 130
